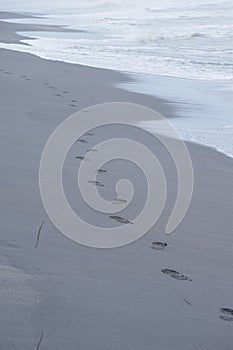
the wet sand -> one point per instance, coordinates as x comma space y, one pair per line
146, 295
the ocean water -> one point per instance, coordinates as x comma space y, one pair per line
180, 50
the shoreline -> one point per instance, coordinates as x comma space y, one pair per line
79, 297
133, 83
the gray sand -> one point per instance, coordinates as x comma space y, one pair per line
83, 298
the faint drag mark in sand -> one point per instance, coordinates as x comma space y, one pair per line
176, 275
158, 245
40, 341
10, 246
38, 234
187, 302
120, 219
226, 314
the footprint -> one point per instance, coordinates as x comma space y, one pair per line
81, 140
97, 183
158, 245
175, 274
119, 201
88, 134
58, 95
83, 158
92, 150
226, 314
29, 79
52, 87
8, 73
73, 101
46, 83
65, 92
72, 105
101, 171
120, 219
23, 76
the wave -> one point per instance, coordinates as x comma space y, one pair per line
150, 38
228, 128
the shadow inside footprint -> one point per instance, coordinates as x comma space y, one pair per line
119, 201
120, 219
8, 73
175, 274
58, 95
158, 245
226, 314
97, 183
92, 150
73, 101
88, 134
81, 140
101, 171
82, 158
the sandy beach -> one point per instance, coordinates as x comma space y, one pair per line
74, 297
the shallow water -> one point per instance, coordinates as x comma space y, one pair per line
159, 42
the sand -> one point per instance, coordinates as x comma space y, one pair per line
136, 297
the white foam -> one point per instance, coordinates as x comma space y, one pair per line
169, 38
203, 108
166, 38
